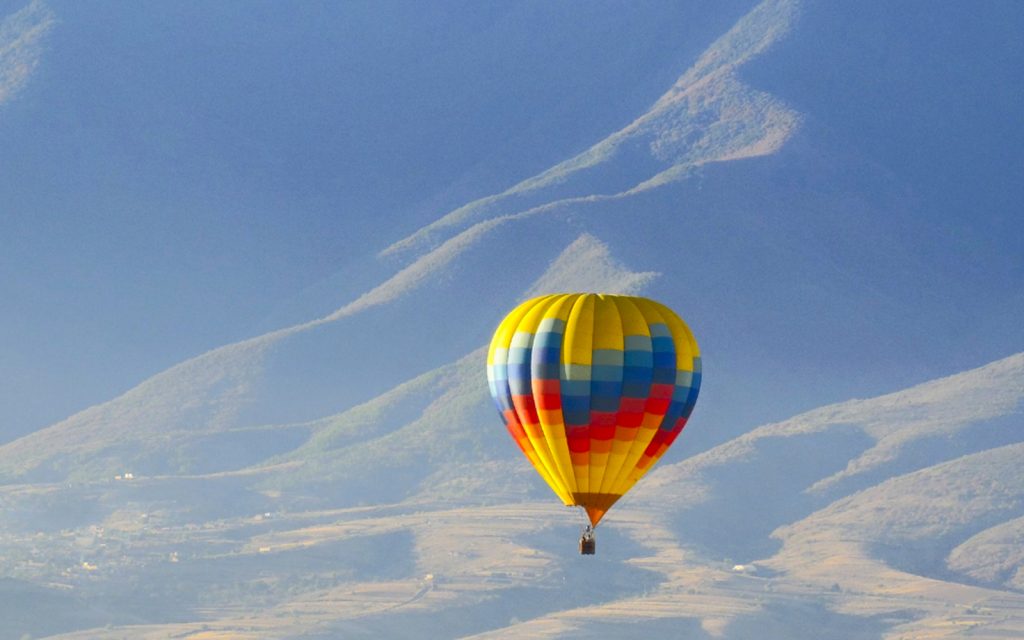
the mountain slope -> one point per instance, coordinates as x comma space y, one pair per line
784, 258
707, 116
21, 34
284, 376
459, 538
164, 424
993, 556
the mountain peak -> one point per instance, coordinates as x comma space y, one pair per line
21, 38
708, 115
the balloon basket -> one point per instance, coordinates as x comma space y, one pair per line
588, 545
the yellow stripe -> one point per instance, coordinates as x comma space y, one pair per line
632, 320
531, 320
579, 331
607, 335
541, 460
577, 349
552, 422
686, 345
563, 307
503, 335
607, 325
555, 483
556, 486
545, 446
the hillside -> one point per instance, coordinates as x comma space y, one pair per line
379, 525
287, 375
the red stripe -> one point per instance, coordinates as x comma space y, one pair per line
579, 445
577, 432
662, 391
512, 422
525, 408
679, 426
631, 419
541, 386
549, 401
657, 406
632, 405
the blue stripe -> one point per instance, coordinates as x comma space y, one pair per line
637, 343
675, 410
604, 403
574, 388
659, 330
503, 402
576, 409
551, 325
636, 389
606, 388
500, 391
547, 339
606, 372
636, 374
547, 355
638, 359
519, 355
663, 376
666, 359
543, 371
606, 357
691, 398
519, 379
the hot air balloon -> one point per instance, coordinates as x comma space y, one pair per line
594, 388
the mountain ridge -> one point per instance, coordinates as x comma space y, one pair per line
691, 115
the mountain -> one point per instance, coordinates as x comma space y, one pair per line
21, 35
181, 177
798, 265
413, 513
343, 473
209, 392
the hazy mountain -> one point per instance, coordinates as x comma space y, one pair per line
410, 515
181, 176
825, 191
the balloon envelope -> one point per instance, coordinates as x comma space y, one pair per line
594, 388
